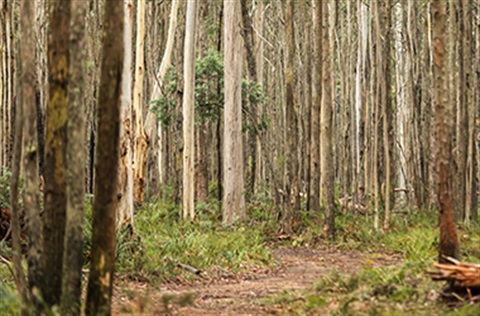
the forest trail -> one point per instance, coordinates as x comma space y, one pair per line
250, 293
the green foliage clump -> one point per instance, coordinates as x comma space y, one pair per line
209, 95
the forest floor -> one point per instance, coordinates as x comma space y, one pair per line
255, 291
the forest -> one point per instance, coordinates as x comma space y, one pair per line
239, 157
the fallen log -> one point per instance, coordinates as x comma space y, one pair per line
460, 276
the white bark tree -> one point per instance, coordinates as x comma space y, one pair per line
234, 199
141, 142
125, 172
166, 61
189, 114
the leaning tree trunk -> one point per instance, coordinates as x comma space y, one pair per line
73, 258
162, 155
54, 216
100, 282
449, 245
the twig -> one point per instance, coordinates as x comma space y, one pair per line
7, 234
7, 263
185, 266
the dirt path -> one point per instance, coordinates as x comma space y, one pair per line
248, 293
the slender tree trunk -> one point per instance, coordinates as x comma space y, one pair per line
27, 99
385, 79
234, 200
166, 60
260, 140
100, 282
125, 171
189, 114
202, 164
141, 140
31, 201
326, 143
449, 245
361, 113
314, 166
73, 258
292, 198
56, 146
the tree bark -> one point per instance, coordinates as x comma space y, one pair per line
141, 140
162, 155
189, 114
73, 258
54, 216
100, 282
31, 202
292, 199
26, 100
449, 245
125, 171
314, 181
326, 134
233, 200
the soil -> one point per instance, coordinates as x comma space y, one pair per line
220, 292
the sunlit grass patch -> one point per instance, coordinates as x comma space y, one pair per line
165, 240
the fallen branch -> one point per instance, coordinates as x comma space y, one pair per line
185, 266
459, 275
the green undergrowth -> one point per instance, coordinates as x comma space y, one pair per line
161, 240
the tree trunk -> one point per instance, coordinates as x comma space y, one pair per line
326, 144
162, 155
31, 200
125, 171
202, 164
100, 282
27, 100
73, 258
291, 202
385, 79
234, 200
54, 216
449, 245
141, 140
189, 114
313, 102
